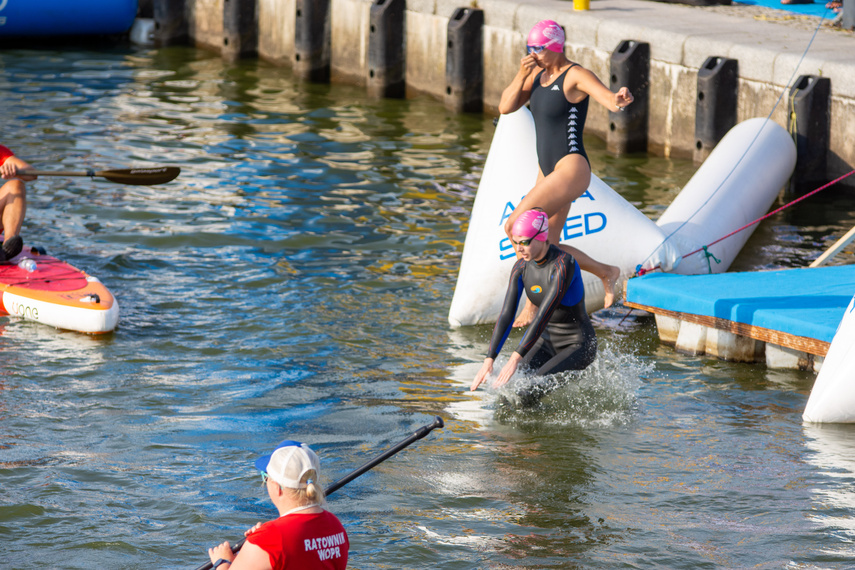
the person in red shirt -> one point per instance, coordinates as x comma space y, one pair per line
13, 202
305, 536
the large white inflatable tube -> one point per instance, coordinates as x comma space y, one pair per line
832, 399
735, 185
601, 224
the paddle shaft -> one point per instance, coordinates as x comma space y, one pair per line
420, 433
134, 176
29, 172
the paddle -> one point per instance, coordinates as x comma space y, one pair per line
134, 176
420, 433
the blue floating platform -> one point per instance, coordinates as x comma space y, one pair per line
816, 8
807, 303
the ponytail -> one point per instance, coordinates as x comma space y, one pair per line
313, 493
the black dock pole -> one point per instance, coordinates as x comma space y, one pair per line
630, 67
464, 61
240, 29
715, 107
312, 40
809, 109
170, 22
386, 49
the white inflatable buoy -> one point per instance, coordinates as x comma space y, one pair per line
735, 185
832, 399
601, 224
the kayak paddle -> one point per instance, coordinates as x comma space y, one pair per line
134, 176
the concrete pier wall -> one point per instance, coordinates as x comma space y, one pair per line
425, 44
276, 30
681, 38
349, 37
205, 22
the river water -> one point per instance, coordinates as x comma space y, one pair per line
294, 283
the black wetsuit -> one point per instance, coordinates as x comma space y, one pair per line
561, 337
558, 123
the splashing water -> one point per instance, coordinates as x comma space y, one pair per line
604, 394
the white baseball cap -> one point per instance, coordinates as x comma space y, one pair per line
288, 463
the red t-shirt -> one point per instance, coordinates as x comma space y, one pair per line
302, 541
5, 153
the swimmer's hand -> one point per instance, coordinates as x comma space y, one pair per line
623, 98
528, 64
508, 370
485, 371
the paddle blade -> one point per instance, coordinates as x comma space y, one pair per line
141, 176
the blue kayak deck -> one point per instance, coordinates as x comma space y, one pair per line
806, 303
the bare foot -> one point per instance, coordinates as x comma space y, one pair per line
527, 315
610, 284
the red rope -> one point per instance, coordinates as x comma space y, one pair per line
758, 220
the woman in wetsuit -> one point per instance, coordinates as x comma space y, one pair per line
561, 336
559, 92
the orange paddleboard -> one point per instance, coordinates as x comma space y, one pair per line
56, 294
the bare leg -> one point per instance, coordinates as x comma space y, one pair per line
527, 315
13, 205
608, 274
554, 194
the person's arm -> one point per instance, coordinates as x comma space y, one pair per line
518, 92
585, 81
221, 556
552, 296
11, 168
249, 557
504, 323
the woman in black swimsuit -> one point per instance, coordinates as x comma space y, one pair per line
559, 96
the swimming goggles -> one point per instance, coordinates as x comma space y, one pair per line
534, 49
526, 242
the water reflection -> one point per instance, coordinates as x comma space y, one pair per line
832, 454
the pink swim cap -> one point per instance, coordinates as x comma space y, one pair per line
548, 34
532, 224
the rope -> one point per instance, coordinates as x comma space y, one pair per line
773, 212
708, 255
631, 309
794, 127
